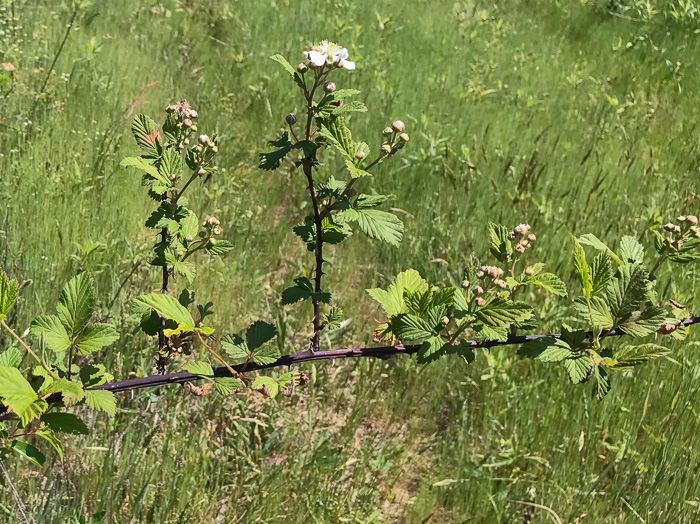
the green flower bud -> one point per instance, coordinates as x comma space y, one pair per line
291, 119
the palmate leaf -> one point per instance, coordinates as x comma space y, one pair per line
8, 294
598, 315
235, 347
331, 320
412, 328
11, 357
643, 323
392, 299
76, 303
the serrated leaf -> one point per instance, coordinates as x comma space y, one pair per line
146, 134
94, 337
578, 368
50, 327
235, 347
76, 303
627, 290
548, 349
302, 289
551, 283
332, 319
484, 332
628, 356
200, 368
11, 357
272, 160
17, 393
70, 391
392, 300
643, 323
294, 73
102, 400
376, 224
48, 435
601, 273
501, 312
411, 328
266, 355
334, 130
93, 375
219, 248
582, 269
259, 333
598, 315
501, 246
601, 383
631, 250
593, 241
226, 385
266, 385
169, 308
144, 165
430, 350
8, 294
355, 172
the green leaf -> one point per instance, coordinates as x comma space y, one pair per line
460, 349
102, 400
76, 303
347, 107
8, 294
578, 367
295, 74
189, 225
266, 355
601, 383
429, 351
272, 160
643, 323
226, 385
546, 349
17, 393
170, 308
11, 357
601, 273
266, 385
582, 269
631, 250
235, 347
200, 368
337, 133
146, 134
145, 166
500, 312
593, 241
551, 283
485, 332
411, 328
355, 172
50, 327
259, 333
392, 300
221, 247
501, 246
376, 224
627, 291
302, 290
288, 382
599, 314
331, 320
48, 435
71, 392
628, 356
28, 451
94, 337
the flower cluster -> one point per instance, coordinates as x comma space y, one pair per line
689, 224
395, 138
327, 53
522, 230
212, 227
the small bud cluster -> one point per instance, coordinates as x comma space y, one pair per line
688, 224
212, 227
522, 231
395, 138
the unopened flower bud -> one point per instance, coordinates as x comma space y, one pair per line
171, 108
478, 290
445, 320
187, 122
531, 237
480, 274
329, 87
388, 131
188, 238
180, 253
520, 248
196, 148
465, 284
360, 155
201, 234
670, 227
480, 301
212, 241
529, 271
215, 148
398, 126
404, 137
339, 63
193, 113
386, 149
172, 177
291, 119
692, 220
302, 68
203, 139
212, 221
217, 230
681, 218
201, 171
500, 283
186, 141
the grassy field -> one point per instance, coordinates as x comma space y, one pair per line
573, 116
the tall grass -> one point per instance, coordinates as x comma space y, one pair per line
556, 113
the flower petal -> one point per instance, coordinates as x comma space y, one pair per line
316, 58
341, 54
347, 64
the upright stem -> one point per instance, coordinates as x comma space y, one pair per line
162, 342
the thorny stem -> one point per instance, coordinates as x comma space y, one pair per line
29, 350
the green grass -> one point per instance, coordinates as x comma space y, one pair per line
555, 113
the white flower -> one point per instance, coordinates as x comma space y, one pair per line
329, 53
